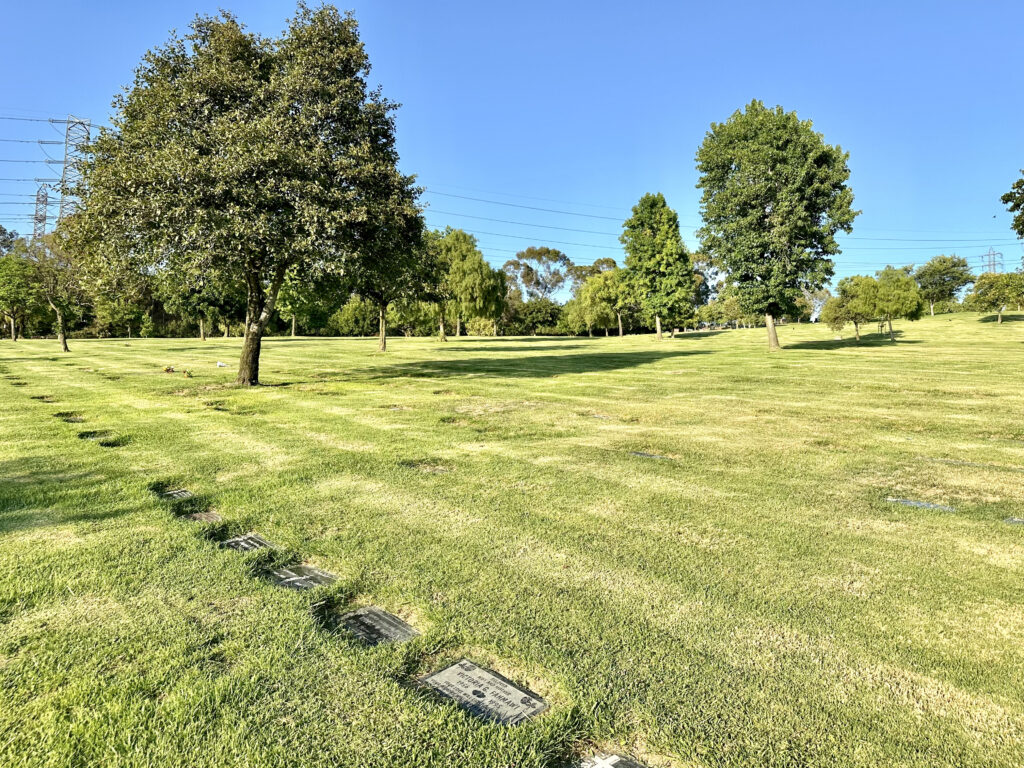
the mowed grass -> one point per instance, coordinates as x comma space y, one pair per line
751, 599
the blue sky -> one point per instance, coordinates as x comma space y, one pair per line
578, 108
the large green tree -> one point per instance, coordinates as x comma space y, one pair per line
941, 278
658, 262
898, 296
18, 289
255, 157
540, 271
859, 296
994, 291
774, 197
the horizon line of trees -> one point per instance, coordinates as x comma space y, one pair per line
251, 183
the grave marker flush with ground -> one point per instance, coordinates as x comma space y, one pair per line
374, 625
610, 761
301, 577
247, 542
485, 693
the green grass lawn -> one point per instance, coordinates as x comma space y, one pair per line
753, 601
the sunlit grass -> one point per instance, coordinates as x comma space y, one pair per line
748, 598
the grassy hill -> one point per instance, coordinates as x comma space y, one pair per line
743, 595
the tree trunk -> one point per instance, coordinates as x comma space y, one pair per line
259, 308
932, 305
674, 332
495, 328
227, 329
62, 335
202, 329
607, 333
383, 335
441, 335
657, 325
1000, 316
619, 316
129, 330
891, 336
856, 329
14, 330
773, 336
458, 326
293, 326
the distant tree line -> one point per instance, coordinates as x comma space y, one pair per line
250, 186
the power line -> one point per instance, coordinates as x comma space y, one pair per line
557, 242
30, 141
34, 119
527, 207
521, 223
529, 197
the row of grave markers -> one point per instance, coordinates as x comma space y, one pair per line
479, 690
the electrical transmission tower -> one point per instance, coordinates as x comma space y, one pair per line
76, 136
993, 260
39, 219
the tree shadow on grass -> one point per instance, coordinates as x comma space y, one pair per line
538, 366
1007, 318
867, 341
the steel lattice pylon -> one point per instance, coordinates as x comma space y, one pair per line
39, 219
76, 136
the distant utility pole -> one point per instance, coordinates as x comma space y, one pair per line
39, 219
76, 136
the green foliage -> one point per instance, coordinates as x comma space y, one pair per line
834, 314
536, 316
18, 288
897, 296
993, 291
1014, 200
7, 239
658, 262
357, 317
252, 157
578, 274
942, 278
538, 271
774, 195
596, 300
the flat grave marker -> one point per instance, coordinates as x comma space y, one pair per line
301, 577
207, 516
485, 693
95, 434
247, 542
919, 504
609, 761
374, 625
644, 455
177, 494
1014, 520
69, 416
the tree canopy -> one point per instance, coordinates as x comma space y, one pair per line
994, 291
897, 296
774, 196
658, 262
251, 156
941, 278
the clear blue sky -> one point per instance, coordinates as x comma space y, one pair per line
583, 106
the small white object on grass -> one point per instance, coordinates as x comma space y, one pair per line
221, 365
